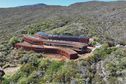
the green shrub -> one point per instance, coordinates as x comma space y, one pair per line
43, 65
14, 40
93, 43
117, 63
23, 80
16, 76
101, 53
6, 80
27, 69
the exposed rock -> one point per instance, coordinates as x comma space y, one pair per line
2, 73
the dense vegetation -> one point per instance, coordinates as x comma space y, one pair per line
100, 20
107, 65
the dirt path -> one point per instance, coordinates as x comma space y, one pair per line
11, 70
56, 57
85, 56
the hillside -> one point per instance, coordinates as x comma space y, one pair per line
102, 21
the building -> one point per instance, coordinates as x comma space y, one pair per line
81, 39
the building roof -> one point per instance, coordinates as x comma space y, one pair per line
42, 33
64, 36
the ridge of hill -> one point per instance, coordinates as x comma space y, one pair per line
34, 5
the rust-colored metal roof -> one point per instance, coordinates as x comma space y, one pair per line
63, 51
35, 40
